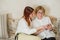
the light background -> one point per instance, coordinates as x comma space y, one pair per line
16, 7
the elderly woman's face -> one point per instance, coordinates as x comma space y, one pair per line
40, 14
32, 15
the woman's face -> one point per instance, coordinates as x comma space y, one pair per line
40, 14
32, 15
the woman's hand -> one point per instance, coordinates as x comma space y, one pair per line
40, 29
48, 27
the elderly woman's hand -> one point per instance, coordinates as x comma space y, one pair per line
48, 27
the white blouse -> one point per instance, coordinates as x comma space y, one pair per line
39, 23
24, 28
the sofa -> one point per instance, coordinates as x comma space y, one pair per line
12, 25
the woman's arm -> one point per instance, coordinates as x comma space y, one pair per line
24, 28
39, 30
49, 26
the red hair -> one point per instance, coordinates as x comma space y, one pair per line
27, 11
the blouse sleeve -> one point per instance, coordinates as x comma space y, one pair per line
49, 21
24, 28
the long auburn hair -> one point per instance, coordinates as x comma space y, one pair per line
27, 11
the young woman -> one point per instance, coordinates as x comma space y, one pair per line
25, 22
44, 23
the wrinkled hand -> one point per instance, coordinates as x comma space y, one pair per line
48, 27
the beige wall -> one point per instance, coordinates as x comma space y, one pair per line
0, 27
53, 5
3, 26
15, 7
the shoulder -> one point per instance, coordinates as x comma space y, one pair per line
47, 18
21, 20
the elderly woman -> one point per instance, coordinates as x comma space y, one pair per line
44, 23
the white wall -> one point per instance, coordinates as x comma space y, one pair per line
53, 5
16, 7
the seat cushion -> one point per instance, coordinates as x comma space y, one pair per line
28, 37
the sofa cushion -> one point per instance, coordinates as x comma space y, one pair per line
28, 37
